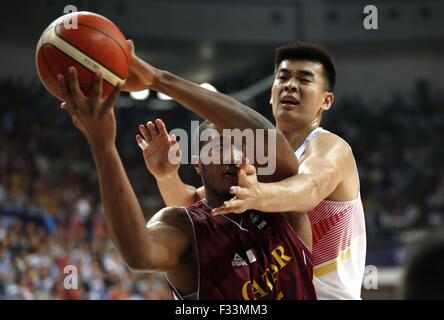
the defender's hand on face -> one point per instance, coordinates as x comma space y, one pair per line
247, 195
142, 74
93, 116
160, 151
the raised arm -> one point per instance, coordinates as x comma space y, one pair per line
223, 111
327, 171
157, 247
156, 145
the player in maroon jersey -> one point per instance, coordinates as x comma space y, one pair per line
326, 186
248, 256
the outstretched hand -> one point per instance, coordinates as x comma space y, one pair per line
92, 115
247, 195
160, 150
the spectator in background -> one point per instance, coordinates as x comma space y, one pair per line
395, 141
32, 263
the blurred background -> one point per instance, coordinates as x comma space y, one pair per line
389, 107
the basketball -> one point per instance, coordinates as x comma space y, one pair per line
87, 41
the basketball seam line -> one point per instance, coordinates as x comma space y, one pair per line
48, 65
98, 30
53, 46
112, 74
86, 54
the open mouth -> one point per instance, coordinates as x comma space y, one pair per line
289, 102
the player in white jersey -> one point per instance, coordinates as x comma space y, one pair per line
327, 185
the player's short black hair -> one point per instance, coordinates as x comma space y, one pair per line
424, 273
309, 51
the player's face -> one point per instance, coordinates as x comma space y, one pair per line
298, 95
219, 175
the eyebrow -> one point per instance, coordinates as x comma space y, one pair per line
300, 72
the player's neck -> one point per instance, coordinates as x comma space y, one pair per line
297, 137
214, 200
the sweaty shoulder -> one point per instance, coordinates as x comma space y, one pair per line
172, 238
331, 156
173, 216
330, 145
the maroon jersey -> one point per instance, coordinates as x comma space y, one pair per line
259, 258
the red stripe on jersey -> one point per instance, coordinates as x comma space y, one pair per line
334, 225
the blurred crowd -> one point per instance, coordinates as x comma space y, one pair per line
398, 147
62, 263
397, 143
50, 212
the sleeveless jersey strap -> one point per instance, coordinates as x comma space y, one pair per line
300, 151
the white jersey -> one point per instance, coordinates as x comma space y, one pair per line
339, 243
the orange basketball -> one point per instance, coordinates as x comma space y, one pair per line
90, 43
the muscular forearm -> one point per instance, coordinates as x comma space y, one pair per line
299, 193
176, 193
123, 214
225, 112
319, 177
218, 108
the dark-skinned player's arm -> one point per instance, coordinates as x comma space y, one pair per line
157, 246
157, 145
223, 111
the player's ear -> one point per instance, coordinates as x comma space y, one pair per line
329, 97
196, 164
